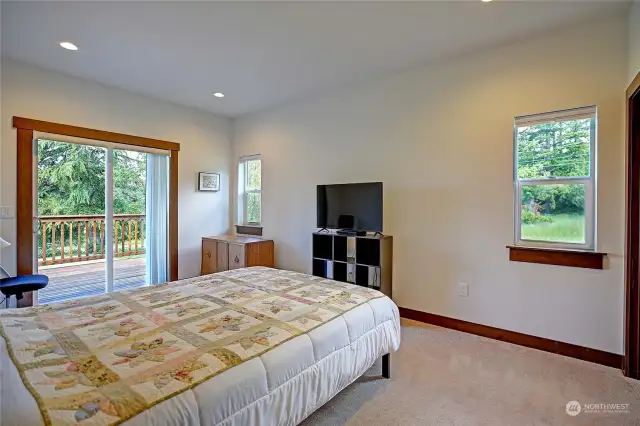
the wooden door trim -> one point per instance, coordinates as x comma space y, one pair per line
173, 216
24, 185
631, 362
93, 134
634, 87
24, 208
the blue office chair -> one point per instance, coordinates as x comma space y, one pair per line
16, 286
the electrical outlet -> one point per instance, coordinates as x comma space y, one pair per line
463, 289
7, 212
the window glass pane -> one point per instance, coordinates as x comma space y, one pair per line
559, 149
253, 175
129, 182
253, 207
553, 213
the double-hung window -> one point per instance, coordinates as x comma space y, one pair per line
250, 190
555, 159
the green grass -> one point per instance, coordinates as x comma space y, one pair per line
564, 228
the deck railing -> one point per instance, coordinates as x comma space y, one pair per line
66, 239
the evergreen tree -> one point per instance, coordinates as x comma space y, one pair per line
555, 150
71, 180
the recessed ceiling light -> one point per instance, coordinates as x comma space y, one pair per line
68, 45
486, 1
218, 95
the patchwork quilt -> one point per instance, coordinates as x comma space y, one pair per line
102, 360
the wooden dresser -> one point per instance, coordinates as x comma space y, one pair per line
232, 252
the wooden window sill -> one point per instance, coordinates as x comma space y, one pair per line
249, 230
559, 257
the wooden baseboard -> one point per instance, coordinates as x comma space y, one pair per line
561, 348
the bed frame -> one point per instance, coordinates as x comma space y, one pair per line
386, 366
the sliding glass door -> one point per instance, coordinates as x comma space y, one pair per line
129, 218
102, 218
70, 229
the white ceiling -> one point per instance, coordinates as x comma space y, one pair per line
262, 54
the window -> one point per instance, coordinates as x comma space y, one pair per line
555, 179
250, 190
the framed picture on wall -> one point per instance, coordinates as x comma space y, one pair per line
208, 181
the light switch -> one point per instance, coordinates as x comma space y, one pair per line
7, 212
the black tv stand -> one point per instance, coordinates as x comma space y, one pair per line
351, 232
362, 260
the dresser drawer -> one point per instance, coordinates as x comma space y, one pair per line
236, 256
223, 256
260, 254
209, 257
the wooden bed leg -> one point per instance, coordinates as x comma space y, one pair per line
386, 366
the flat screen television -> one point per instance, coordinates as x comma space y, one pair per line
355, 206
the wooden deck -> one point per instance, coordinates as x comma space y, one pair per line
69, 281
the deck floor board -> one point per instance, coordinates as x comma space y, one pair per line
71, 281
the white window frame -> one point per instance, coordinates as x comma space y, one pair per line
590, 182
243, 192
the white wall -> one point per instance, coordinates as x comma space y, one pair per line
441, 140
634, 40
31, 92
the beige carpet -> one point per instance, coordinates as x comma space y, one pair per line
445, 377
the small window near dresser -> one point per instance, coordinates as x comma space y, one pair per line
249, 195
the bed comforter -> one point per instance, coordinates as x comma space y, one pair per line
249, 346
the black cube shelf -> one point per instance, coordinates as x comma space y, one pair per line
365, 261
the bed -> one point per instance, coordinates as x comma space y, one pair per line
251, 346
